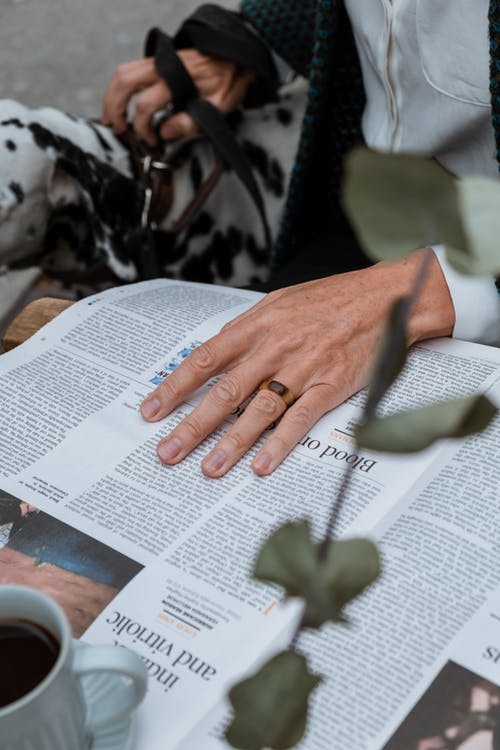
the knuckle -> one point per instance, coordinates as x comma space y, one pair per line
274, 294
121, 74
300, 416
292, 338
169, 390
142, 106
227, 392
194, 428
279, 445
235, 442
268, 404
202, 358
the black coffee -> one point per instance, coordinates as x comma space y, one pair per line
27, 654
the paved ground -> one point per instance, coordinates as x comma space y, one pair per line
62, 52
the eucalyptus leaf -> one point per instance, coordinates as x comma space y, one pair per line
415, 430
400, 202
480, 206
291, 559
270, 708
391, 356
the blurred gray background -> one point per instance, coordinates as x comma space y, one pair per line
63, 52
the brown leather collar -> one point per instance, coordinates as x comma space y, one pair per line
156, 172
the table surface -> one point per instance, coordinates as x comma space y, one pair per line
31, 319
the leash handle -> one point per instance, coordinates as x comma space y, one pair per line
207, 117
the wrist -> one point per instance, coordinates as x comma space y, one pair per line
433, 313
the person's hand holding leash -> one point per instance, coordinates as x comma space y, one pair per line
219, 81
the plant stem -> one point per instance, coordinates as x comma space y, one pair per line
368, 411
334, 513
298, 629
409, 301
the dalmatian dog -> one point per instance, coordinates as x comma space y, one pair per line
70, 195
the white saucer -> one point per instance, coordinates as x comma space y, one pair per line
115, 736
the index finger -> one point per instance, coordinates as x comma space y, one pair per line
127, 80
207, 360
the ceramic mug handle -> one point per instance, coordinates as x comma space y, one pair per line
124, 696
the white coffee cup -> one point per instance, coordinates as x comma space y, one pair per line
54, 715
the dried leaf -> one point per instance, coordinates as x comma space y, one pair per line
291, 559
400, 202
415, 430
480, 200
270, 708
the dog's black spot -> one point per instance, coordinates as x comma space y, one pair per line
13, 121
31, 231
10, 145
17, 190
71, 227
259, 255
218, 255
225, 250
201, 226
196, 173
284, 116
44, 138
269, 169
196, 268
106, 146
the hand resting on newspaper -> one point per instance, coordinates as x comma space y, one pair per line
318, 338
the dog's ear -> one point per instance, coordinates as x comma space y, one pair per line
7, 202
94, 207
24, 207
63, 190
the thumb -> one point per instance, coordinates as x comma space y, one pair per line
179, 126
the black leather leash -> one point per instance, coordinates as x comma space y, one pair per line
212, 124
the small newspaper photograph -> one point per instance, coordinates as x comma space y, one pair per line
459, 711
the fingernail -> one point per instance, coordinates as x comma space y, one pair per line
150, 407
262, 462
169, 448
214, 461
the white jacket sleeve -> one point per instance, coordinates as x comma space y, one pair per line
476, 301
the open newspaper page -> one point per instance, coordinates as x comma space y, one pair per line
161, 556
418, 667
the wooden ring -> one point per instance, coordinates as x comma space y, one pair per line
281, 390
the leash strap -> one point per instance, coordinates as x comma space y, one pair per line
222, 137
209, 120
219, 32
171, 68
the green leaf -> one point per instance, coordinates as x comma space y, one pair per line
415, 430
291, 559
399, 202
391, 356
480, 201
270, 708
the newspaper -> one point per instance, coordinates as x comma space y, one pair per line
159, 558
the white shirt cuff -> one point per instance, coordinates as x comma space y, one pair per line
476, 301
